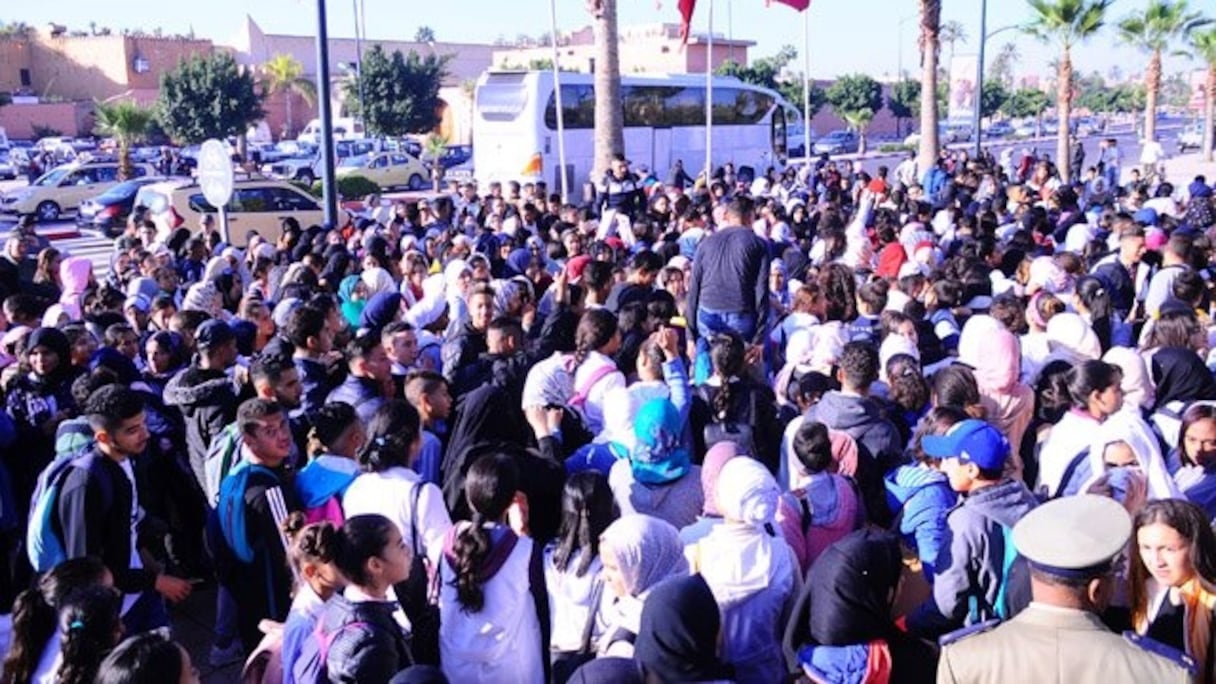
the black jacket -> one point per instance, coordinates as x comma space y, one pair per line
730, 274
363, 395
94, 518
370, 652
463, 348
207, 400
314, 376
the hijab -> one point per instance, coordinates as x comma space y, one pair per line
678, 640
351, 309
1181, 376
381, 310
647, 550
1129, 428
1137, 386
203, 296
993, 352
517, 261
56, 341
715, 459
378, 280
851, 585
1071, 338
659, 456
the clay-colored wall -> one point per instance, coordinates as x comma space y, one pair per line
71, 118
98, 67
14, 56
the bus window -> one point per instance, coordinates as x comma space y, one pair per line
578, 108
780, 145
684, 106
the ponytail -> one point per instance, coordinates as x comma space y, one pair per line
35, 614
391, 435
310, 543
490, 487
87, 626
726, 356
595, 329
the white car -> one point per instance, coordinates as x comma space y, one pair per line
1191, 137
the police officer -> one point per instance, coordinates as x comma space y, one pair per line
1070, 545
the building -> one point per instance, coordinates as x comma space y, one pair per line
252, 46
649, 48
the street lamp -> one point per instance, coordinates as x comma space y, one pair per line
979, 75
899, 73
329, 192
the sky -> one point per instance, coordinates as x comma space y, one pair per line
846, 36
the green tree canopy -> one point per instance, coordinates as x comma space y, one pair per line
402, 91
207, 96
1025, 102
904, 99
992, 97
856, 98
424, 34
127, 123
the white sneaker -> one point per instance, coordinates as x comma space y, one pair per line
221, 657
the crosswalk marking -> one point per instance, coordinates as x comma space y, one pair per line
93, 247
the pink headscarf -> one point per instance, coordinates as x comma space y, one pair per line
715, 459
994, 353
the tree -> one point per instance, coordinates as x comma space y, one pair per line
1025, 103
791, 90
1002, 65
433, 148
1204, 44
930, 46
904, 101
609, 117
764, 72
953, 32
856, 98
424, 34
127, 123
284, 74
208, 96
1161, 24
992, 97
1175, 91
1065, 23
401, 92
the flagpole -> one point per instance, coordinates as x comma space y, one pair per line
806, 86
709, 98
557, 95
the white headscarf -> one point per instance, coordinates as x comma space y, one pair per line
1070, 338
1137, 385
1129, 428
646, 549
378, 280
747, 492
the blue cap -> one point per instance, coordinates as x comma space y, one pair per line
1146, 216
971, 441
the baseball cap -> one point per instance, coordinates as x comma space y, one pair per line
213, 333
971, 441
139, 302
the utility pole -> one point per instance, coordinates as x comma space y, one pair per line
979, 82
329, 190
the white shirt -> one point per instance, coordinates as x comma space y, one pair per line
390, 494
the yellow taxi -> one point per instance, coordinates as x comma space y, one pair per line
258, 205
62, 189
387, 169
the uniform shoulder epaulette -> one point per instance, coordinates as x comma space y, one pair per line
960, 634
1165, 651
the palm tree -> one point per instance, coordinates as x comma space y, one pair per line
609, 118
930, 44
127, 123
1162, 23
433, 147
1002, 65
1204, 43
1066, 23
952, 33
284, 74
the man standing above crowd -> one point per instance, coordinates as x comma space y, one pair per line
729, 286
619, 190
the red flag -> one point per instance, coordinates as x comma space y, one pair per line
799, 5
686, 8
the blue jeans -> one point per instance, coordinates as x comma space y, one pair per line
225, 616
709, 323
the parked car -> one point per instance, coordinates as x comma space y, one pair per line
837, 142
455, 155
108, 211
388, 169
258, 205
63, 188
8, 166
1191, 137
307, 169
998, 129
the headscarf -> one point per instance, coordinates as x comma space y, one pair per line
351, 309
517, 261
647, 551
993, 352
850, 588
74, 273
56, 341
747, 492
50, 319
452, 273
660, 456
715, 459
378, 280
1070, 338
203, 296
143, 285
1181, 376
381, 310
1046, 274
1137, 386
336, 267
216, 267
1129, 428
678, 639
503, 294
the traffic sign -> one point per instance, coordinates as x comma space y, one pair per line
215, 172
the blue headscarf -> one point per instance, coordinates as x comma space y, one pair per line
660, 456
381, 310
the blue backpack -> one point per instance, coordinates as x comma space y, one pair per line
230, 509
42, 544
1013, 594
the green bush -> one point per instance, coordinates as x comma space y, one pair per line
350, 187
896, 147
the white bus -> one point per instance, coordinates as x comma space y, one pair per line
515, 125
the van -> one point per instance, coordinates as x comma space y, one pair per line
344, 128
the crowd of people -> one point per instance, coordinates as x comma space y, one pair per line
845, 426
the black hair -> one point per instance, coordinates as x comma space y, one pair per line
309, 542
87, 630
859, 364
1089, 377
269, 368
726, 355
595, 329
304, 322
1189, 287
813, 446
955, 385
361, 347
251, 413
328, 424
1093, 294
490, 488
909, 390
646, 261
839, 289
111, 405
740, 208
597, 275
148, 658
391, 434
360, 538
35, 613
587, 510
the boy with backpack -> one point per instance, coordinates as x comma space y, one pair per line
980, 577
827, 508
96, 509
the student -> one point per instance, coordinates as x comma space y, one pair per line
824, 510
97, 510
334, 442
428, 392
205, 393
89, 627
148, 658
492, 600
255, 499
400, 341
965, 590
309, 333
312, 561
369, 376
366, 643
35, 641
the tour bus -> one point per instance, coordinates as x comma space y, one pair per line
515, 125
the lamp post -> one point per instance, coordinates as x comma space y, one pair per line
979, 74
329, 193
899, 73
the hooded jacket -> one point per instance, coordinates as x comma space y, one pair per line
363, 394
208, 403
368, 644
972, 558
876, 436
924, 498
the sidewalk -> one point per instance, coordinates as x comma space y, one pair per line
1182, 169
